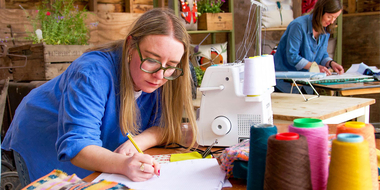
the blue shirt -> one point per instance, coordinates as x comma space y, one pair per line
76, 109
297, 47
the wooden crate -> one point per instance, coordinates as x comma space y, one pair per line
44, 62
110, 6
138, 6
215, 21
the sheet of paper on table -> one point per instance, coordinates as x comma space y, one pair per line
200, 174
360, 68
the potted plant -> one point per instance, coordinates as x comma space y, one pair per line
211, 16
59, 36
59, 23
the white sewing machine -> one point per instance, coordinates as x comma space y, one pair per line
225, 113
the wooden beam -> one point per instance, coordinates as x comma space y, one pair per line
93, 5
297, 8
128, 6
2, 4
161, 3
351, 6
361, 14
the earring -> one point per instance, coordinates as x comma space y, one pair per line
129, 58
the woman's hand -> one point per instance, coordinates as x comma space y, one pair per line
336, 67
140, 167
126, 148
136, 166
147, 139
324, 69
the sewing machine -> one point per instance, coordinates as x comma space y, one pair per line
226, 113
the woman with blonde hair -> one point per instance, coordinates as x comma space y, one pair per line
78, 121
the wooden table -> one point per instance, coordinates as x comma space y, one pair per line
330, 109
349, 89
237, 184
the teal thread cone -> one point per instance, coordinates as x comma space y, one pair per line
257, 155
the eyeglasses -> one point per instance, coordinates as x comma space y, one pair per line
151, 66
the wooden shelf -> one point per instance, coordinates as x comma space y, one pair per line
207, 31
273, 29
361, 14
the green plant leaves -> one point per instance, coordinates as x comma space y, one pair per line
61, 23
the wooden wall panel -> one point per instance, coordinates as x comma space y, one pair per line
361, 43
361, 39
17, 19
374, 115
110, 26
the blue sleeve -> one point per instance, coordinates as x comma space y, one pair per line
82, 107
293, 46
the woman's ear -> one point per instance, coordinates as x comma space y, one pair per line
129, 40
128, 44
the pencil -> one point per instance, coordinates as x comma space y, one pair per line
134, 143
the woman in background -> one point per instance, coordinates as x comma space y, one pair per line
305, 41
77, 122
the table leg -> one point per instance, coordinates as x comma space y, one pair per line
365, 117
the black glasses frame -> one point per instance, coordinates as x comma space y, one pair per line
163, 68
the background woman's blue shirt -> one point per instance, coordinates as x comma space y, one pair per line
298, 46
76, 109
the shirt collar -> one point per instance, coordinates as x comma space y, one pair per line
137, 94
310, 24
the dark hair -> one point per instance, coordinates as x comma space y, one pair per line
322, 7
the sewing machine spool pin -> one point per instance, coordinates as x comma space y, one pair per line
208, 150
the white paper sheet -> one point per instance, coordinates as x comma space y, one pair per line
200, 174
359, 68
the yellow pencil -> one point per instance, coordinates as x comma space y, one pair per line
134, 143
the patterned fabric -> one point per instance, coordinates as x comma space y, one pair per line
331, 138
239, 151
162, 158
60, 180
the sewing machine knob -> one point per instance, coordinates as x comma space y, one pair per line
221, 126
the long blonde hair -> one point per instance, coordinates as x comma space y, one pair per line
175, 95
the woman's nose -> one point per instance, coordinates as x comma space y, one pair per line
159, 74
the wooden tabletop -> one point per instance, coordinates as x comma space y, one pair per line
347, 89
237, 184
292, 106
